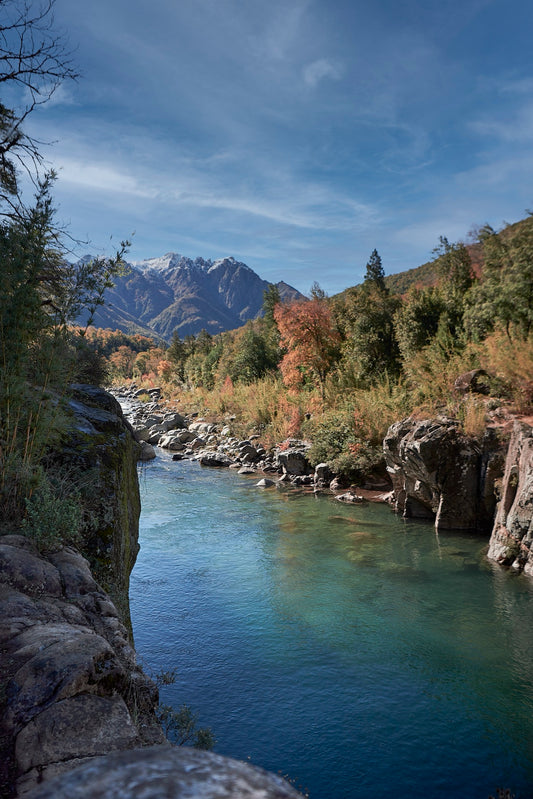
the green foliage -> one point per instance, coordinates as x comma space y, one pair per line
366, 320
180, 727
417, 320
504, 297
374, 272
271, 298
38, 356
53, 513
337, 441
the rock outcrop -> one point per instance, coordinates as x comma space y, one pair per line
72, 689
171, 773
439, 473
512, 535
101, 454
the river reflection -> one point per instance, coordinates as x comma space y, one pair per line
355, 651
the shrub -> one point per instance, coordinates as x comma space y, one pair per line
53, 513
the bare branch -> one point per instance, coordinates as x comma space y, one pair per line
34, 57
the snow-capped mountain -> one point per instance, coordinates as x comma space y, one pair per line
173, 292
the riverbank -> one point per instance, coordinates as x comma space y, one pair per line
434, 470
77, 711
213, 444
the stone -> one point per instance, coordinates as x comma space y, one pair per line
147, 452
265, 483
28, 572
214, 459
438, 473
350, 497
474, 382
511, 542
293, 461
323, 473
169, 772
81, 726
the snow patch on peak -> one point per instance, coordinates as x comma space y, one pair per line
167, 261
229, 260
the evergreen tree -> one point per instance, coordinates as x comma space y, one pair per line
375, 274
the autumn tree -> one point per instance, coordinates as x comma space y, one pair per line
310, 338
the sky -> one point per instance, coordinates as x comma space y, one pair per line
293, 135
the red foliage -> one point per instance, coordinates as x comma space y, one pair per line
308, 334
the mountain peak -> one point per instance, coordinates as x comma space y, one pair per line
175, 293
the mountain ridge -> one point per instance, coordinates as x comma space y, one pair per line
172, 292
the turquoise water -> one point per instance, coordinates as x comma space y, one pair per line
358, 653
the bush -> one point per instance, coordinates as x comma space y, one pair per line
53, 513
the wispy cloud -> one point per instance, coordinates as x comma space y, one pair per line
318, 70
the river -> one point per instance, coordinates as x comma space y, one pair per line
356, 652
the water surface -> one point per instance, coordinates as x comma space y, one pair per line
358, 653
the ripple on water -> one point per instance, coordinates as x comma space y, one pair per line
356, 652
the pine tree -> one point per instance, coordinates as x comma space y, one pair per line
375, 274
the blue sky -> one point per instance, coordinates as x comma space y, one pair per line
295, 135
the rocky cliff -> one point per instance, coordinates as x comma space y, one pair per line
512, 535
441, 474
77, 713
465, 483
71, 687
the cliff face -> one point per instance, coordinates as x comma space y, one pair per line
439, 473
71, 688
76, 711
102, 454
512, 535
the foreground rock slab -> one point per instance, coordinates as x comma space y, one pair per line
166, 773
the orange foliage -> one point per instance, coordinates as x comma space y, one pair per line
308, 333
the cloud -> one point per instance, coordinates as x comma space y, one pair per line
516, 127
318, 70
101, 177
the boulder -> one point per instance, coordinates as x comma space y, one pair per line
474, 382
214, 459
323, 475
170, 772
265, 483
293, 461
350, 497
512, 534
147, 452
71, 685
438, 473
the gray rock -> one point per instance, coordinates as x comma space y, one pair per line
265, 483
350, 497
81, 726
439, 473
512, 534
293, 461
214, 459
166, 773
147, 452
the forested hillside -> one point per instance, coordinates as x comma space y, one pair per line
339, 370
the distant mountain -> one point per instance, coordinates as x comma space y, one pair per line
161, 295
